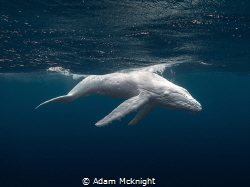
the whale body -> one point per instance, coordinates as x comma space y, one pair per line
142, 90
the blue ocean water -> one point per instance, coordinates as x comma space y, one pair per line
48, 46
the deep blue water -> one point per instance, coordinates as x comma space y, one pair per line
202, 46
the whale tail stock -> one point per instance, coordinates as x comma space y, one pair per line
61, 99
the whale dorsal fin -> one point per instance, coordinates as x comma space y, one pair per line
128, 106
144, 111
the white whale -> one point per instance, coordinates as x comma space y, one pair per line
141, 89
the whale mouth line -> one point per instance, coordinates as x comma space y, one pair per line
196, 109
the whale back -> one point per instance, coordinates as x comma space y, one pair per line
116, 85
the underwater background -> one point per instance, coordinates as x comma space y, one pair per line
48, 46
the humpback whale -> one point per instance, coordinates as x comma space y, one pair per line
142, 90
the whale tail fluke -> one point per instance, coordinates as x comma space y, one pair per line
61, 99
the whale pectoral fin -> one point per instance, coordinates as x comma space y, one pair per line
128, 106
144, 111
61, 99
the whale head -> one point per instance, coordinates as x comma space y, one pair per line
179, 98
